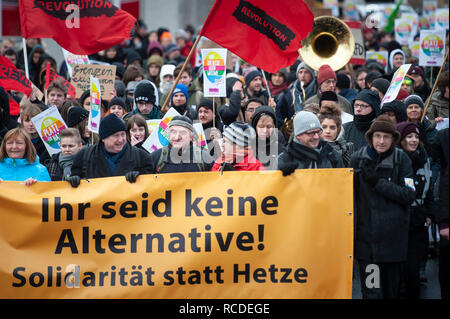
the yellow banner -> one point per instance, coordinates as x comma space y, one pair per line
185, 236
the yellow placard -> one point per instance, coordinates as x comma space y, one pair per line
191, 235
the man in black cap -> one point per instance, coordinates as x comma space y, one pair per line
380, 85
421, 86
145, 100
112, 156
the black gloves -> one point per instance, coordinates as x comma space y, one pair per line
288, 168
131, 176
369, 175
74, 181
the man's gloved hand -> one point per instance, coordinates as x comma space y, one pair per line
131, 176
289, 168
74, 181
370, 175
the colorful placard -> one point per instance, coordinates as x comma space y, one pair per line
96, 104
432, 47
415, 48
160, 135
48, 124
429, 11
403, 31
350, 10
214, 72
442, 18
72, 59
396, 84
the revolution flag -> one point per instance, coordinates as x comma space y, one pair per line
15, 80
267, 34
79, 26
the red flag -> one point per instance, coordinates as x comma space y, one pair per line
264, 33
51, 75
15, 80
101, 25
7, 62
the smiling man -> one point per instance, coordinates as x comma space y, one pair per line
112, 156
384, 189
306, 150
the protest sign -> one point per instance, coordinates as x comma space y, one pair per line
96, 105
429, 11
214, 72
152, 125
414, 46
180, 236
432, 47
442, 18
106, 74
380, 56
48, 124
396, 84
160, 136
350, 10
403, 31
359, 53
72, 59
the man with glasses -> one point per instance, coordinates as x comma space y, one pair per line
145, 99
252, 105
306, 150
326, 79
366, 107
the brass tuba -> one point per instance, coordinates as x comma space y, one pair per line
330, 42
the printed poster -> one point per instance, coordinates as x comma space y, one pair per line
160, 135
396, 84
432, 47
442, 18
403, 31
48, 124
214, 72
380, 56
72, 59
96, 104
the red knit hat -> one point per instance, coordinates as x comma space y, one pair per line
325, 73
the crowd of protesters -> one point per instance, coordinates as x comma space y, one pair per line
299, 119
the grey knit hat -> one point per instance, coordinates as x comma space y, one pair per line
305, 121
240, 133
414, 99
184, 121
303, 65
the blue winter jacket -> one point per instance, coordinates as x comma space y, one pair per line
20, 170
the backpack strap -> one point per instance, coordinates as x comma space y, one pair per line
162, 159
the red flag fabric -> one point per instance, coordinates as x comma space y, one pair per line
101, 25
7, 62
15, 80
51, 75
264, 33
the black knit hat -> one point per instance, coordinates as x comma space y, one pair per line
144, 91
206, 103
117, 101
109, 125
75, 115
370, 97
328, 96
263, 110
381, 84
343, 82
251, 75
398, 107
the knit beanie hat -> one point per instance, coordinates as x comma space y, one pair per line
75, 115
207, 103
167, 69
180, 88
398, 107
303, 65
405, 128
328, 96
184, 121
144, 91
417, 70
117, 101
383, 124
251, 75
263, 110
109, 125
305, 121
325, 73
240, 133
381, 84
370, 97
414, 99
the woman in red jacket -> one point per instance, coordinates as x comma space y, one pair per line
237, 152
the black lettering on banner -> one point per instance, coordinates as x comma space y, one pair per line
88, 8
259, 20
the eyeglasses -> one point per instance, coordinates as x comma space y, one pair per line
142, 103
361, 106
311, 134
330, 82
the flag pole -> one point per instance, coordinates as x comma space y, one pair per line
434, 88
267, 83
194, 46
214, 111
25, 57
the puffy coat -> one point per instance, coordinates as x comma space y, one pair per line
20, 170
382, 214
